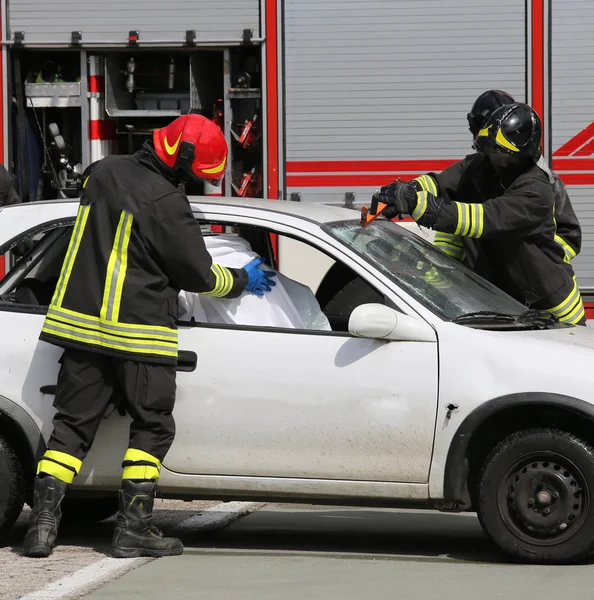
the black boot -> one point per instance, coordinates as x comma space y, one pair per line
134, 535
45, 516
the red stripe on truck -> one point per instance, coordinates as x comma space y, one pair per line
96, 84
102, 130
369, 166
343, 181
538, 50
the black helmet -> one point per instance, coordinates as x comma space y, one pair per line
513, 130
483, 108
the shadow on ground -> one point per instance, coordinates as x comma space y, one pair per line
354, 531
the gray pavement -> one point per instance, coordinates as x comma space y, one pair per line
295, 552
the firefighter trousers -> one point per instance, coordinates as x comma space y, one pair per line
88, 382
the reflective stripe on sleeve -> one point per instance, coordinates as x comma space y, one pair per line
471, 219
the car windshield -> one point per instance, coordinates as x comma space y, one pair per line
439, 282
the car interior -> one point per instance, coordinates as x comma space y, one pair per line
37, 259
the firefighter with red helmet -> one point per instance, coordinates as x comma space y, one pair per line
569, 232
501, 203
135, 245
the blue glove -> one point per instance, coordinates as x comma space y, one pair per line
259, 281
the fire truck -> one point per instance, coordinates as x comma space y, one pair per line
319, 100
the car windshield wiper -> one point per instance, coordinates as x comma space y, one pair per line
486, 315
530, 317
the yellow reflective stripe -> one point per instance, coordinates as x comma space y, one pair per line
485, 131
575, 315
121, 276
421, 180
55, 470
224, 282
471, 219
421, 207
468, 218
85, 182
66, 459
228, 281
156, 331
140, 472
95, 324
503, 141
77, 233
116, 269
477, 213
60, 465
427, 184
135, 455
104, 340
569, 251
460, 218
569, 301
219, 278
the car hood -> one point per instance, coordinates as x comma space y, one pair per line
582, 337
496, 363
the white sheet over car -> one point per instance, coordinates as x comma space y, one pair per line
290, 304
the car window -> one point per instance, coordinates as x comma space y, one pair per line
314, 292
437, 281
36, 260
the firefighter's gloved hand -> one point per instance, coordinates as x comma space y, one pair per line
259, 281
427, 209
401, 198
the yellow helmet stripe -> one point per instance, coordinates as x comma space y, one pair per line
216, 169
503, 141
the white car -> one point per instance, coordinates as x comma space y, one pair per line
434, 389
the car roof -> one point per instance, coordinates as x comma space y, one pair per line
319, 213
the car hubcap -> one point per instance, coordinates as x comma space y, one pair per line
543, 499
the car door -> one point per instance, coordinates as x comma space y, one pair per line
29, 367
304, 404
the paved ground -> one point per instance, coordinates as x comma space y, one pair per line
81, 546
309, 553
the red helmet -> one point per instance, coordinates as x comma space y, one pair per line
193, 144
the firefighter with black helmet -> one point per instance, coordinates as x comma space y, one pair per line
135, 245
569, 232
502, 205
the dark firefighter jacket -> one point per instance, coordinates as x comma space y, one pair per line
505, 232
8, 194
135, 244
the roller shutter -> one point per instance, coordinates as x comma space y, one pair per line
388, 80
573, 118
109, 21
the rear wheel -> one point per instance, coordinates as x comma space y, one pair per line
535, 496
12, 486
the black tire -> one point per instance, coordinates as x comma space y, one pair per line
12, 486
536, 497
85, 511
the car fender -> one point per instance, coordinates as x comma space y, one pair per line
455, 493
29, 431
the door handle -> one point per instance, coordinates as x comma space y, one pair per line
186, 361
48, 389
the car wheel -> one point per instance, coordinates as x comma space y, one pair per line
82, 511
535, 496
12, 486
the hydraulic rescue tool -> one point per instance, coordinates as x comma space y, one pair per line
371, 213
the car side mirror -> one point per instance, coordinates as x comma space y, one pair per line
377, 321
